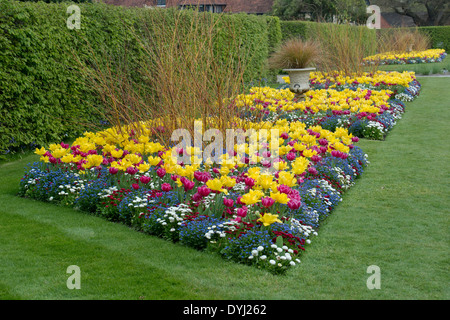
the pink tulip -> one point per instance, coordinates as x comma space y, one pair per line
290, 156
188, 185
267, 202
161, 172
294, 204
132, 170
196, 197
166, 187
323, 149
113, 170
284, 189
242, 212
228, 202
135, 186
249, 182
204, 191
145, 179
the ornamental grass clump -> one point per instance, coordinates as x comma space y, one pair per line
296, 53
401, 40
344, 47
192, 65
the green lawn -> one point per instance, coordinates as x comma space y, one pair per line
420, 68
395, 217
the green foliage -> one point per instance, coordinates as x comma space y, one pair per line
311, 30
43, 95
274, 33
293, 29
57, 1
321, 10
440, 36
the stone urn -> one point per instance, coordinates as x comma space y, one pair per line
299, 79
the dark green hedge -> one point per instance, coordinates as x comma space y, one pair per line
42, 96
294, 29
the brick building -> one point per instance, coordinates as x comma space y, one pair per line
232, 6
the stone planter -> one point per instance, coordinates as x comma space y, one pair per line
299, 79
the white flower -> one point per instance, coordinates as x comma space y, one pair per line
272, 262
260, 248
255, 252
263, 257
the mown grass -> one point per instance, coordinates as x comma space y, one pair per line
395, 217
420, 68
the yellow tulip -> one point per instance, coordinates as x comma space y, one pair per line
279, 197
267, 219
287, 179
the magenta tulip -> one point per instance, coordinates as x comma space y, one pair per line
228, 202
267, 202
145, 179
166, 187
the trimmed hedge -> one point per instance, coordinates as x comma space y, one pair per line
439, 35
42, 96
293, 29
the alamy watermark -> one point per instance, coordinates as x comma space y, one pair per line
374, 281
74, 20
241, 146
374, 21
74, 281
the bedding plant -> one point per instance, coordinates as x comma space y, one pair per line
233, 207
249, 204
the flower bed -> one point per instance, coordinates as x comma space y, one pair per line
251, 206
364, 112
404, 85
413, 57
236, 209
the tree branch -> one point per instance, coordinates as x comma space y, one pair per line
407, 12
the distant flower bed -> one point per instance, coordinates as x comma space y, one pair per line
413, 57
404, 85
363, 112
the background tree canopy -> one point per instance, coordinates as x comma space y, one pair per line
423, 12
321, 10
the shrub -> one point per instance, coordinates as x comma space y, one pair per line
44, 98
439, 36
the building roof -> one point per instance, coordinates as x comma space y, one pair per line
234, 6
396, 20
